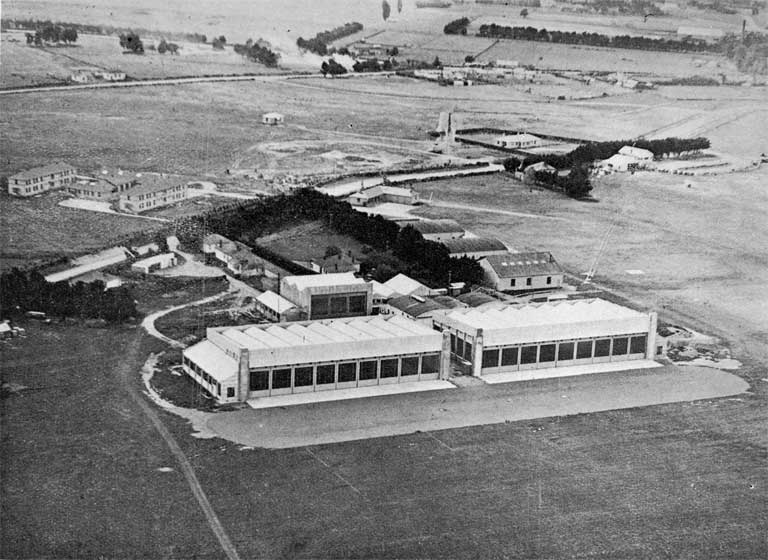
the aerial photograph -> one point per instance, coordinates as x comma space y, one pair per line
384, 279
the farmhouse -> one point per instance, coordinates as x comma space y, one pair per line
547, 335
152, 192
260, 361
522, 271
276, 307
381, 194
438, 230
406, 286
156, 262
518, 141
475, 247
322, 296
272, 118
238, 257
41, 179
421, 309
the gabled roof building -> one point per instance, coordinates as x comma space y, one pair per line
522, 271
475, 247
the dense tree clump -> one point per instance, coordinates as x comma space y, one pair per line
319, 43
21, 292
219, 42
457, 27
258, 51
332, 67
686, 44
48, 32
165, 47
131, 42
748, 51
411, 254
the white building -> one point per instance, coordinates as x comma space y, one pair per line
322, 296
522, 271
90, 263
259, 361
276, 307
156, 262
381, 194
152, 192
438, 230
518, 141
548, 335
381, 294
272, 118
406, 286
146, 249
41, 179
637, 153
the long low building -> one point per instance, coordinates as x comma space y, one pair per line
235, 364
547, 335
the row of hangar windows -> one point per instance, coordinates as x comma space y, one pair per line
337, 305
202, 374
549, 352
329, 374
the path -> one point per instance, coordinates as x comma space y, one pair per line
472, 208
125, 374
148, 324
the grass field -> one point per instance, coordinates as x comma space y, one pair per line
309, 241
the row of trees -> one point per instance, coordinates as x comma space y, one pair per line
22, 291
164, 47
457, 27
90, 29
319, 43
48, 32
392, 250
575, 184
258, 51
596, 39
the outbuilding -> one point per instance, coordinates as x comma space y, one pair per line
517, 338
518, 141
156, 262
475, 247
276, 307
438, 230
272, 118
260, 361
522, 271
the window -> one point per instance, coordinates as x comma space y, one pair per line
528, 354
389, 368
584, 349
409, 366
547, 353
620, 346
281, 378
302, 376
637, 344
491, 358
467, 351
453, 343
326, 374
602, 347
357, 304
509, 356
565, 351
259, 380
549, 279
430, 363
230, 392
368, 370
319, 305
347, 372
512, 283
528, 281
459, 347
338, 305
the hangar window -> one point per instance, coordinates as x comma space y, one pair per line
584, 349
338, 305
326, 374
281, 378
389, 367
230, 392
357, 304
565, 351
602, 347
259, 380
347, 372
302, 376
491, 358
527, 281
453, 343
528, 354
637, 344
620, 346
368, 370
459, 347
409, 366
430, 363
319, 306
467, 351
547, 353
509, 356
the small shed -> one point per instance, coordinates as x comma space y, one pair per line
272, 118
158, 262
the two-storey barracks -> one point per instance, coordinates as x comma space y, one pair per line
259, 361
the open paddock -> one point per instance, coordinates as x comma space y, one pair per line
309, 241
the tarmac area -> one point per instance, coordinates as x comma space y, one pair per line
475, 404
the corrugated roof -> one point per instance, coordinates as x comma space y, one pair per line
405, 285
319, 280
473, 245
275, 302
476, 299
217, 363
417, 308
43, 170
437, 226
514, 265
381, 290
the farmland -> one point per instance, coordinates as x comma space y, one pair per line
309, 241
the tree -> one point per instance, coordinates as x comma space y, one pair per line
131, 42
332, 67
436, 63
331, 251
385, 10
69, 35
222, 40
162, 47
524, 13
469, 58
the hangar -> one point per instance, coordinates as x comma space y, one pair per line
257, 361
516, 338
